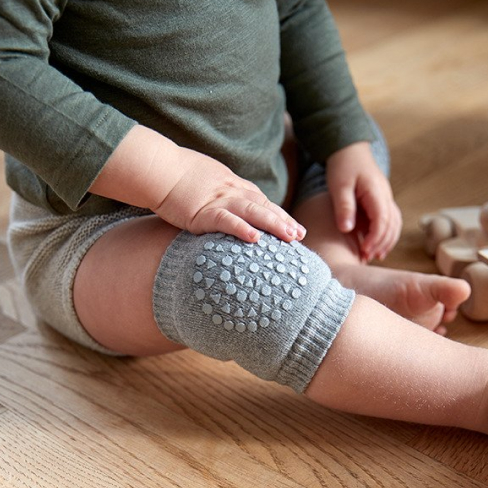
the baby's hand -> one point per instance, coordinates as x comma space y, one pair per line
359, 188
189, 190
209, 197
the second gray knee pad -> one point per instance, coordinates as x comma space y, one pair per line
272, 307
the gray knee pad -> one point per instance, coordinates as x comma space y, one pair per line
272, 307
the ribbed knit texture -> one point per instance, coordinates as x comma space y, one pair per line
272, 307
46, 251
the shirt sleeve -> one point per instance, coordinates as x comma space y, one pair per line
60, 132
320, 93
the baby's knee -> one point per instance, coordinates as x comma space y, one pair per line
272, 307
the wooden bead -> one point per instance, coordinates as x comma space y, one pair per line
476, 307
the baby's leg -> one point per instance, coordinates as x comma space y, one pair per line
276, 310
113, 287
425, 299
385, 366
272, 307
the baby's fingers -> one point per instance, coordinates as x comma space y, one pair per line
384, 231
242, 218
378, 230
223, 220
344, 201
392, 235
293, 229
270, 218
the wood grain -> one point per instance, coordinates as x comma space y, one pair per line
73, 418
212, 428
9, 328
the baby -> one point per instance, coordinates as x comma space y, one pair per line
154, 208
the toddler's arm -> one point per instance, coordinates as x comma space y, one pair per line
189, 190
320, 94
332, 125
68, 139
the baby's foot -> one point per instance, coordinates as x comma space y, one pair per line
425, 299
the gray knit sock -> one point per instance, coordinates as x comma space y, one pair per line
272, 307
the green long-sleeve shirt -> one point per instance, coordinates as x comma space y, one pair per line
76, 75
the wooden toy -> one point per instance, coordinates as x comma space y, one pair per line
458, 240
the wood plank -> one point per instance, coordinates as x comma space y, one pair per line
444, 188
465, 452
120, 424
30, 456
419, 81
9, 328
262, 433
14, 304
144, 446
364, 23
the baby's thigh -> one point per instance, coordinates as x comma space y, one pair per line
114, 284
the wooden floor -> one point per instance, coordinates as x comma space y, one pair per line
73, 418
